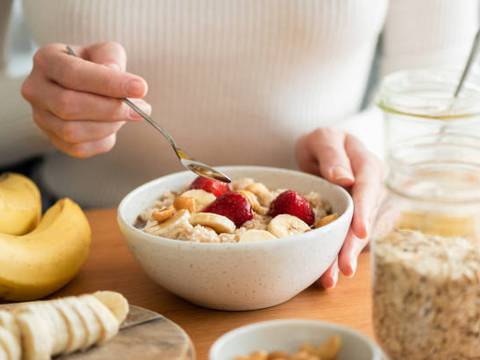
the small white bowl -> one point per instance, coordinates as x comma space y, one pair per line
288, 335
238, 276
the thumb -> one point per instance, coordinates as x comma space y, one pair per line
111, 54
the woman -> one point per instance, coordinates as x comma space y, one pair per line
236, 82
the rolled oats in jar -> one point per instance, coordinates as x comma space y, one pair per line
426, 251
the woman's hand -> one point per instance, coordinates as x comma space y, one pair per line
342, 159
76, 101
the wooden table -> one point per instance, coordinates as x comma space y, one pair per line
111, 266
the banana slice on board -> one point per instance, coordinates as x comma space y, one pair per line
3, 353
75, 329
115, 302
10, 344
59, 326
219, 223
9, 323
90, 324
255, 235
108, 322
200, 197
36, 338
285, 225
7, 320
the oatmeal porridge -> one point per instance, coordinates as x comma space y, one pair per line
426, 301
214, 212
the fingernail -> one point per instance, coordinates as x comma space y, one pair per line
133, 115
113, 66
333, 280
135, 88
352, 268
339, 173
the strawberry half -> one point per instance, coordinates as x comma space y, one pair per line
233, 206
290, 202
215, 187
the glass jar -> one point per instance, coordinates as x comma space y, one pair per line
420, 102
426, 251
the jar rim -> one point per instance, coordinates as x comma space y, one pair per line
428, 94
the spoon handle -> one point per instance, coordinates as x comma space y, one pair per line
152, 122
468, 65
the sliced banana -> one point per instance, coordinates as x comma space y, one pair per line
3, 353
115, 302
240, 184
253, 200
77, 334
201, 198
173, 223
219, 223
104, 316
255, 235
36, 340
10, 344
39, 309
285, 225
9, 323
60, 328
263, 194
7, 320
89, 322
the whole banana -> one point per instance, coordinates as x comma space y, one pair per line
44, 260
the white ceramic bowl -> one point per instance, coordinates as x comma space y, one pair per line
236, 276
288, 335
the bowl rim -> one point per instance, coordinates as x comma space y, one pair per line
288, 322
347, 213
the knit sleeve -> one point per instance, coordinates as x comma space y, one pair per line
19, 137
428, 33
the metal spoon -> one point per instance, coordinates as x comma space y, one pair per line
463, 77
468, 65
189, 163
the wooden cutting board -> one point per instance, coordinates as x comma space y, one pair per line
159, 339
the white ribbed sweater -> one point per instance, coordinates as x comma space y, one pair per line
235, 81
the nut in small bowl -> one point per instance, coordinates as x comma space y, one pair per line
307, 339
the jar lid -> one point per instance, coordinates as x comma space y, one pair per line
428, 93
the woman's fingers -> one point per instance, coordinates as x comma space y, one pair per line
111, 54
86, 149
368, 185
73, 105
329, 278
77, 100
76, 132
325, 149
348, 257
79, 74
